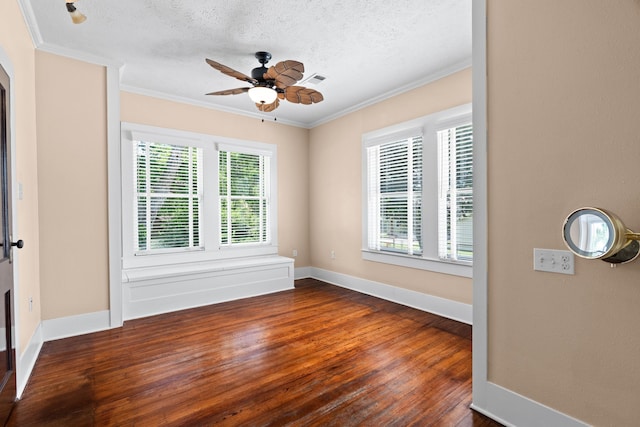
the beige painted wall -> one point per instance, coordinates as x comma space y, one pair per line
336, 186
293, 158
563, 106
72, 175
16, 42
75, 281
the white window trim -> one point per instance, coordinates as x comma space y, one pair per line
129, 173
428, 126
247, 150
211, 145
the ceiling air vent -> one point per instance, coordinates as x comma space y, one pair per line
314, 79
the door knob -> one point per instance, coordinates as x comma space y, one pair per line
19, 244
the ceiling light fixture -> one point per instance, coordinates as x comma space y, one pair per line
262, 95
76, 17
270, 85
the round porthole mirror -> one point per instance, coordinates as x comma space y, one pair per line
594, 233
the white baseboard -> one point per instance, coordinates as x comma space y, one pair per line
64, 327
429, 303
27, 361
302, 272
504, 404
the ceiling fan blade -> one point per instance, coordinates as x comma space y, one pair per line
302, 95
265, 108
285, 73
231, 72
235, 91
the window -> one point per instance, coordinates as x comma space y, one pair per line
190, 197
455, 193
395, 196
244, 198
418, 193
168, 197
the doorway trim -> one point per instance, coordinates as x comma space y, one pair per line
493, 400
21, 377
114, 180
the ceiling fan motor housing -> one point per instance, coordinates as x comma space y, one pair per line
258, 72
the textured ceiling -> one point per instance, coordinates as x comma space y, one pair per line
367, 50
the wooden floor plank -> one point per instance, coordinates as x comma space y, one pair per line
318, 355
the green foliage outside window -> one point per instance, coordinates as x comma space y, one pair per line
243, 198
168, 199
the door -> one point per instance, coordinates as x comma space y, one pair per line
7, 351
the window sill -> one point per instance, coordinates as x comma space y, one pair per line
438, 266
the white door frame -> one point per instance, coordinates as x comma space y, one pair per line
7, 65
499, 403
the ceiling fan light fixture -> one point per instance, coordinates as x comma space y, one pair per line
262, 95
271, 85
76, 17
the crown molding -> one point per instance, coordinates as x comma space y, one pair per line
30, 20
80, 56
195, 103
462, 65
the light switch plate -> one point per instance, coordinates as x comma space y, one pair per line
553, 261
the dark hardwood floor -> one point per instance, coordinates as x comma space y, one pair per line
318, 355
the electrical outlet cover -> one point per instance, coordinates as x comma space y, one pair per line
553, 261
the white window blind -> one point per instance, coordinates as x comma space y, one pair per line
168, 197
395, 196
244, 198
417, 188
455, 193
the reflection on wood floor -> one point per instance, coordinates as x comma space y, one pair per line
318, 355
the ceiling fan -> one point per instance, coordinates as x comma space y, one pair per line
270, 85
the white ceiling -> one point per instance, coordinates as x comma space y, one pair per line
366, 49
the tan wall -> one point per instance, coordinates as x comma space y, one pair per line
16, 42
75, 280
293, 158
72, 174
563, 105
336, 187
